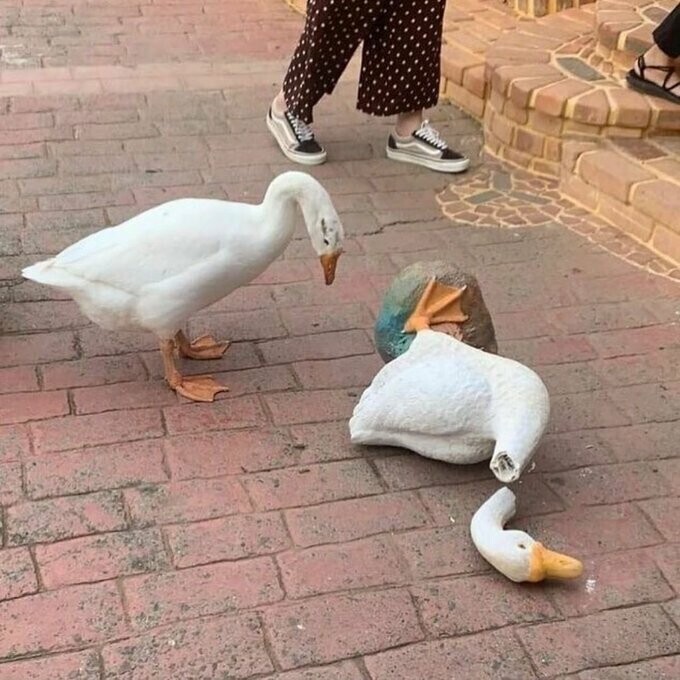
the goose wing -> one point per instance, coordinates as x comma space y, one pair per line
156, 245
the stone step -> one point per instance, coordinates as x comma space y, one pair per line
624, 28
542, 89
541, 8
634, 184
470, 28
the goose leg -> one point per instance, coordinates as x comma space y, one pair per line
194, 387
438, 304
205, 347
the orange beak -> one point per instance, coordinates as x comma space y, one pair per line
549, 564
328, 263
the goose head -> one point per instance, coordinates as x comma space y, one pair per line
321, 219
326, 233
514, 553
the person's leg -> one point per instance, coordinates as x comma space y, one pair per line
400, 66
656, 71
400, 76
667, 34
332, 33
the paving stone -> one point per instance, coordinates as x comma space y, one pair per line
621, 635
66, 517
311, 485
185, 501
346, 520
60, 619
99, 558
207, 648
301, 635
475, 603
483, 656
95, 469
612, 581
17, 574
227, 538
156, 599
75, 665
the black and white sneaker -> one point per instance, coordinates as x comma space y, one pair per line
295, 138
425, 147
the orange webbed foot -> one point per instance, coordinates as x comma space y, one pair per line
439, 304
199, 387
203, 348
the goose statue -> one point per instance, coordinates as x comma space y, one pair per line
448, 400
514, 553
445, 399
155, 270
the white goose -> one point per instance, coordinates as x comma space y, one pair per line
155, 270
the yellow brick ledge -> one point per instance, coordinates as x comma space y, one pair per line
634, 185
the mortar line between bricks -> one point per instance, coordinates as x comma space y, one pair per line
605, 464
374, 468
419, 617
662, 495
623, 664
636, 502
99, 652
38, 377
268, 415
514, 632
167, 546
361, 666
4, 535
41, 654
95, 534
662, 574
564, 330
125, 606
63, 650
47, 454
165, 463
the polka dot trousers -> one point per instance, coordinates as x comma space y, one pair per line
400, 62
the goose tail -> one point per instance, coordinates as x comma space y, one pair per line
46, 273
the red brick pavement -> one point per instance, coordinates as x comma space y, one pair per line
146, 537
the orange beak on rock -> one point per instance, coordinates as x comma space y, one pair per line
328, 263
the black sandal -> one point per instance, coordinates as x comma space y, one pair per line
638, 81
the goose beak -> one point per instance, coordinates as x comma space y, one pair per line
328, 264
548, 564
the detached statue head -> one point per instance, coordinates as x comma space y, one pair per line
403, 295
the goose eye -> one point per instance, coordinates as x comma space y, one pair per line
522, 546
326, 242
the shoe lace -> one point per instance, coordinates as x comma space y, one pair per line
429, 134
302, 131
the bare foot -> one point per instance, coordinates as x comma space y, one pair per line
408, 123
279, 105
657, 67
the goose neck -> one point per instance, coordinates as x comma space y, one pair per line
493, 515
